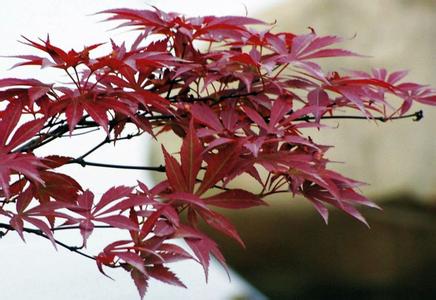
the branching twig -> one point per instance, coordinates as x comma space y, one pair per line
78, 227
41, 234
105, 141
85, 163
418, 115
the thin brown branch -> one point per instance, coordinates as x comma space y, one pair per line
78, 227
418, 115
41, 234
85, 163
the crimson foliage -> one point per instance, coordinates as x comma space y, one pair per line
238, 95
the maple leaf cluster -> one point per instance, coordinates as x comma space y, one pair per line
239, 96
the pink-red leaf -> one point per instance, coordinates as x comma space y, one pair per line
43, 227
134, 260
25, 132
256, 117
207, 116
148, 225
219, 165
141, 282
318, 98
174, 173
329, 53
220, 223
9, 119
202, 246
191, 157
164, 274
86, 228
114, 193
17, 223
187, 198
235, 199
74, 113
119, 221
279, 109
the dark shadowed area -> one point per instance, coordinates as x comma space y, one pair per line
291, 254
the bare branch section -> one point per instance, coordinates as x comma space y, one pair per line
85, 163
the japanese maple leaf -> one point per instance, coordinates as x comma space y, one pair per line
17, 163
74, 103
59, 58
35, 216
108, 210
34, 89
144, 261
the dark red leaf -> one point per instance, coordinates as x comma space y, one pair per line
318, 98
207, 116
187, 198
58, 186
141, 281
164, 274
17, 223
55, 161
74, 113
174, 173
9, 121
114, 193
202, 246
134, 260
25, 164
218, 166
119, 221
280, 108
191, 157
173, 253
148, 225
244, 58
43, 227
220, 223
255, 117
25, 132
235, 199
86, 228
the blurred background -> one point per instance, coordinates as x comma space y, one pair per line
290, 253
